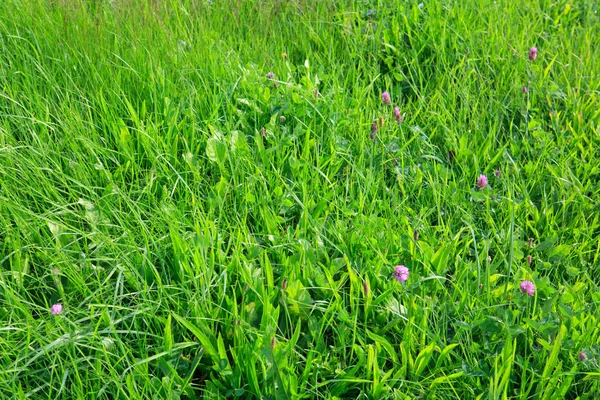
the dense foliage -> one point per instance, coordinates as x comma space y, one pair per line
218, 197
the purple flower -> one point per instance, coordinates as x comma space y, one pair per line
497, 173
270, 75
582, 355
533, 53
397, 114
528, 287
482, 181
385, 97
525, 90
401, 273
56, 309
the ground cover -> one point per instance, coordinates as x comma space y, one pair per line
299, 199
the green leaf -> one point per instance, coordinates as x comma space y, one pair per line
444, 354
551, 361
205, 339
385, 344
215, 150
168, 335
447, 378
423, 359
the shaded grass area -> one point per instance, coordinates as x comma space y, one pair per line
211, 232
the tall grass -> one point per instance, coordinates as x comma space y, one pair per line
214, 233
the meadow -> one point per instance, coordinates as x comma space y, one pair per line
301, 199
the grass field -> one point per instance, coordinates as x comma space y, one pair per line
210, 199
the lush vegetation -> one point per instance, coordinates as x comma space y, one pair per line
213, 230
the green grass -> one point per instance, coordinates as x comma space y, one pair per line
213, 233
